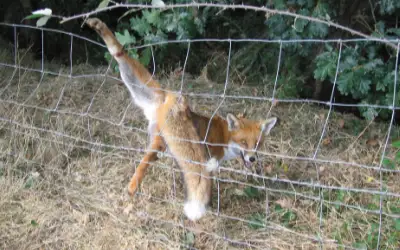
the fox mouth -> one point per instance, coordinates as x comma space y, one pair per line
247, 164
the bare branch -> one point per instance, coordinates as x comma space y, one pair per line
232, 6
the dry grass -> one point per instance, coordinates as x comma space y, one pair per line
63, 175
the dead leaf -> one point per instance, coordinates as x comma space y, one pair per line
322, 116
177, 72
268, 169
372, 142
238, 192
370, 179
35, 174
326, 141
285, 167
341, 123
284, 203
242, 115
255, 92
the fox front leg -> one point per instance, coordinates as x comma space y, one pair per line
156, 146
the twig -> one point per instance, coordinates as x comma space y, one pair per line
230, 6
372, 10
359, 135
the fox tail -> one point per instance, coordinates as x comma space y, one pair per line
199, 196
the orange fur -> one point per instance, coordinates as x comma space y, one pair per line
238, 133
174, 119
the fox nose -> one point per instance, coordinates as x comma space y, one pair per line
252, 159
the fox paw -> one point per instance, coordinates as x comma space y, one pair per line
132, 188
96, 24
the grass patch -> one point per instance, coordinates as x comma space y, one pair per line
63, 175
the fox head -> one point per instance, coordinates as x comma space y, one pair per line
246, 135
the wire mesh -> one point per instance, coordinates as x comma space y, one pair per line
83, 137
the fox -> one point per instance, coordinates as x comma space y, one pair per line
174, 121
226, 139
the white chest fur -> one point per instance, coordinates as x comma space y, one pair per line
231, 152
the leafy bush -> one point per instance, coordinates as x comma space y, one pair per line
362, 74
366, 70
157, 26
393, 163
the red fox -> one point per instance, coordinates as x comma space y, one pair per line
240, 135
174, 120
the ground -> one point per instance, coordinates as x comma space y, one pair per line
69, 146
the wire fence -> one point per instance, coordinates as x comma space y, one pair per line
313, 190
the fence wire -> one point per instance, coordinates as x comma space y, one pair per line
271, 185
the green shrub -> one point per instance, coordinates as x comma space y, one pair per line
366, 70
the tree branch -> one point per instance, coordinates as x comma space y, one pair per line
232, 6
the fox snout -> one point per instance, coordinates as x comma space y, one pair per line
249, 158
252, 158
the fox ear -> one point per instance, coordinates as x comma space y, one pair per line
268, 124
233, 122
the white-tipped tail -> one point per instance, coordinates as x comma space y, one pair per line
212, 165
194, 210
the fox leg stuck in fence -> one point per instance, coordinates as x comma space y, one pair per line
173, 115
